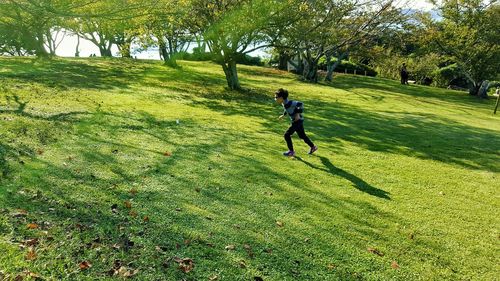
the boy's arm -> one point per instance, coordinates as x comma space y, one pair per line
296, 117
297, 111
282, 115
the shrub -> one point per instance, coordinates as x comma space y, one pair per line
207, 56
350, 66
449, 75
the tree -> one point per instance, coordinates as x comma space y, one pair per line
108, 23
330, 29
468, 35
29, 22
233, 28
167, 29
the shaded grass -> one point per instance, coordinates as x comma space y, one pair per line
401, 170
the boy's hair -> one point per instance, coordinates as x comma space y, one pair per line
281, 93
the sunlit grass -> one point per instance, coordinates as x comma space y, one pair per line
410, 173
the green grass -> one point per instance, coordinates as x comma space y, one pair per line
411, 172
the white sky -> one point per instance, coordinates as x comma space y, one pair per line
67, 47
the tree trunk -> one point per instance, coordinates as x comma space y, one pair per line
330, 67
163, 50
473, 89
39, 47
40, 50
172, 60
300, 64
310, 72
231, 75
105, 52
483, 89
77, 51
283, 60
125, 50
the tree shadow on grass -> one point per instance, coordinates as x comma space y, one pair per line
76, 199
359, 183
421, 135
96, 74
392, 87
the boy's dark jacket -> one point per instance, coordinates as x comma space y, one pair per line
292, 107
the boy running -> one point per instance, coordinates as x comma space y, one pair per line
294, 110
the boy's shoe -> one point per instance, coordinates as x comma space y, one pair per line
289, 153
311, 151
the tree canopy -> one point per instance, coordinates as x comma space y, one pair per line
307, 34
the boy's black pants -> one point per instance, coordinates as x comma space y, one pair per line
298, 127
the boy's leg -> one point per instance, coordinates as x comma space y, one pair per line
288, 137
302, 134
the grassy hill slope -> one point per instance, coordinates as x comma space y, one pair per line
132, 166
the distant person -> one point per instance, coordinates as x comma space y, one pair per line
294, 110
404, 74
497, 94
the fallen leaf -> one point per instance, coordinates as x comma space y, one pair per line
133, 213
117, 264
331, 266
39, 151
145, 219
167, 154
133, 191
32, 275
394, 265
185, 265
80, 226
375, 251
31, 255
249, 250
31, 242
230, 247
128, 204
19, 277
18, 213
84, 265
130, 273
243, 264
279, 223
32, 226
213, 277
